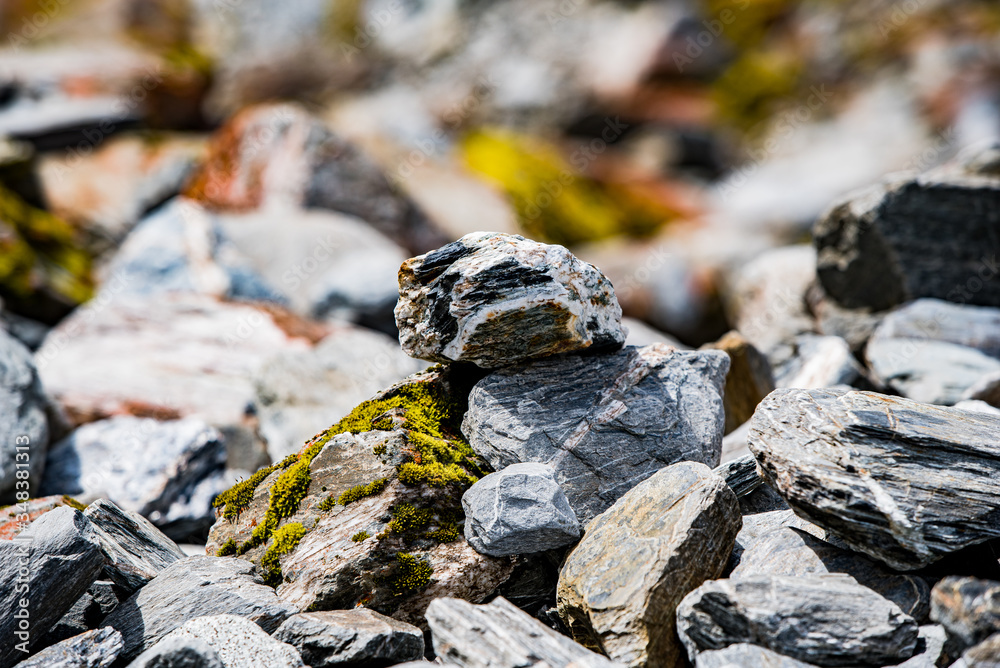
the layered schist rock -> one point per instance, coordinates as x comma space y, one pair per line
23, 403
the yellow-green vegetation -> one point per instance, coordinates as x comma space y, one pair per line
227, 549
407, 518
362, 491
361, 536
439, 462
446, 533
285, 540
238, 497
553, 200
412, 573
73, 503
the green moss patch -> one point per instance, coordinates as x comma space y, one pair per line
361, 536
285, 540
412, 574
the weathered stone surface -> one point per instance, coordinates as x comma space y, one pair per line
11, 517
498, 634
938, 320
818, 361
933, 372
64, 557
901, 481
741, 475
984, 655
22, 403
347, 638
977, 406
191, 588
930, 651
238, 642
749, 379
987, 389
497, 299
826, 620
87, 613
518, 510
94, 649
734, 444
135, 551
968, 608
745, 655
146, 466
619, 588
178, 652
934, 235
604, 424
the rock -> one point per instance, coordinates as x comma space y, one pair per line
178, 652
855, 326
987, 389
734, 444
24, 432
928, 236
745, 654
298, 394
915, 486
518, 510
358, 637
930, 648
824, 620
604, 424
12, 517
63, 557
788, 551
977, 406
968, 608
749, 379
191, 588
619, 588
498, 634
135, 551
639, 334
497, 299
933, 372
86, 613
277, 154
146, 466
937, 320
94, 649
29, 332
984, 655
741, 475
238, 642
818, 361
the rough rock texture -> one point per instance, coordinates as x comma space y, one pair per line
904, 482
818, 361
496, 299
937, 320
498, 634
604, 424
745, 655
238, 642
984, 655
985, 389
191, 588
968, 608
144, 465
619, 588
933, 372
349, 638
22, 403
930, 651
135, 551
63, 556
178, 652
518, 510
94, 649
741, 475
824, 620
936, 235
87, 613
11, 517
749, 379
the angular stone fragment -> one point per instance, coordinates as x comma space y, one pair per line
745, 655
604, 424
932, 372
12, 517
741, 475
518, 510
178, 652
901, 481
498, 634
619, 588
749, 379
818, 361
93, 649
986, 389
191, 588
968, 608
87, 613
63, 557
930, 651
351, 638
826, 620
22, 403
497, 299
238, 642
984, 655
938, 320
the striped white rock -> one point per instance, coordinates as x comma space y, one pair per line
496, 299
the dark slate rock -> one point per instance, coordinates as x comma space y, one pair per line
904, 482
94, 649
496, 299
63, 557
351, 638
826, 620
191, 588
178, 652
968, 608
930, 651
741, 475
22, 405
932, 372
746, 655
984, 655
519, 510
238, 642
937, 320
87, 613
604, 424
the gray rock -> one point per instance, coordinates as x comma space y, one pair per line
496, 299
135, 551
977, 406
987, 389
619, 588
934, 372
937, 320
826, 620
984, 655
901, 481
818, 361
745, 655
191, 588
930, 648
734, 444
498, 634
23, 405
94, 649
748, 381
358, 637
968, 608
63, 557
518, 510
238, 642
604, 424
143, 465
178, 652
934, 235
741, 475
